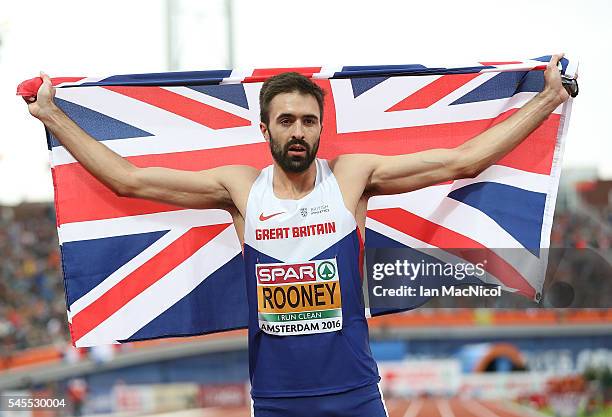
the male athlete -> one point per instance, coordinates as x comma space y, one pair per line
301, 220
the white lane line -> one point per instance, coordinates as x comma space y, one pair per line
478, 409
414, 408
520, 410
444, 408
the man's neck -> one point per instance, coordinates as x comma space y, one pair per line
293, 185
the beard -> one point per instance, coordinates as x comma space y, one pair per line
294, 163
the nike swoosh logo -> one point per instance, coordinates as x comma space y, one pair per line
264, 218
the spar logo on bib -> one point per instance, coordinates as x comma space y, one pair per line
326, 270
299, 298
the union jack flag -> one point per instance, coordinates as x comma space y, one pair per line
136, 269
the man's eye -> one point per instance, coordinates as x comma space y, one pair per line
285, 121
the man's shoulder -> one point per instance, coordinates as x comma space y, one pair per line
352, 164
239, 172
237, 176
238, 180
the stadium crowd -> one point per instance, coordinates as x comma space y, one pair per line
571, 230
32, 302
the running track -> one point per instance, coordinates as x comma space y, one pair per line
430, 407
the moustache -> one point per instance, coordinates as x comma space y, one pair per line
299, 142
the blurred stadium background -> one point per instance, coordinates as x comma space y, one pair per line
443, 362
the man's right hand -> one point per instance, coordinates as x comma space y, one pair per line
43, 104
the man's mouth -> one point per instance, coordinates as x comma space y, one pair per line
296, 150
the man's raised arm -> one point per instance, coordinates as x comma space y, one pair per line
403, 173
202, 189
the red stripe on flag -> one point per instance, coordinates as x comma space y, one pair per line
260, 75
433, 92
183, 106
142, 278
82, 197
455, 243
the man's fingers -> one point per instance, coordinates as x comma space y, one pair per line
46, 79
555, 59
46, 89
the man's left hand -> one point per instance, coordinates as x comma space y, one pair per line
552, 80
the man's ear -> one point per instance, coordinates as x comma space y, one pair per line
264, 131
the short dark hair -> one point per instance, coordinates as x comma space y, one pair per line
287, 82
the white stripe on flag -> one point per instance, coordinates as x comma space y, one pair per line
522, 66
538, 183
144, 223
237, 76
174, 142
83, 81
326, 72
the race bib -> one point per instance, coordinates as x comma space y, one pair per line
299, 298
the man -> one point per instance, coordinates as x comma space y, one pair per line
301, 221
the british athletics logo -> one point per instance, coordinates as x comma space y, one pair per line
136, 269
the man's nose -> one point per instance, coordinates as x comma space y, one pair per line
298, 130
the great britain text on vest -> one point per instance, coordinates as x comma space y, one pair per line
296, 231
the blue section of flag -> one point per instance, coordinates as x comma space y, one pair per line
505, 85
355, 69
390, 70
364, 71
519, 212
98, 125
232, 93
205, 309
361, 85
165, 78
87, 263
50, 139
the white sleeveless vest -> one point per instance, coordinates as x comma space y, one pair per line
307, 329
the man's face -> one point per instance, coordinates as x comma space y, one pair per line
294, 130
